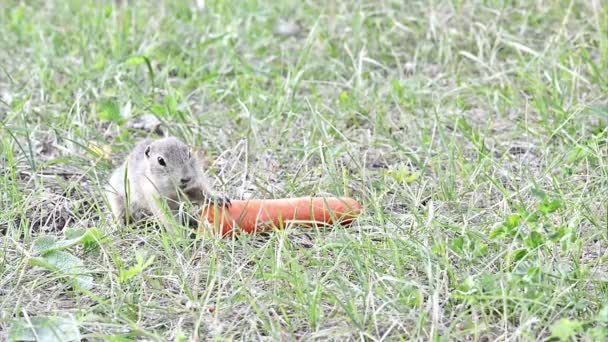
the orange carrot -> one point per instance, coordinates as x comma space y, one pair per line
257, 215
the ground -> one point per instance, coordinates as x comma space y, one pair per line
473, 132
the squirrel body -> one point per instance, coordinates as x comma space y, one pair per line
156, 172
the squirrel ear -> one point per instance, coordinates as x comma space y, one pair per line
147, 151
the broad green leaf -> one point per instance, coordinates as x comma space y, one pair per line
558, 233
565, 329
73, 233
44, 244
467, 284
108, 110
533, 217
158, 109
519, 254
88, 237
488, 282
107, 11
457, 245
547, 207
48, 329
533, 271
66, 265
497, 233
481, 250
344, 97
534, 240
512, 221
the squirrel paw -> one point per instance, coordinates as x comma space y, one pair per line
223, 201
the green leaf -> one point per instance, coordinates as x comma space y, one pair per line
547, 207
519, 254
48, 329
66, 265
73, 233
403, 175
44, 243
534, 240
488, 282
481, 250
558, 234
88, 237
108, 110
107, 11
457, 245
565, 329
532, 217
125, 275
344, 97
512, 221
158, 109
497, 233
467, 284
534, 272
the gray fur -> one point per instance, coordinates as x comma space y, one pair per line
141, 183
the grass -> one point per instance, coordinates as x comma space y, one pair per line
474, 133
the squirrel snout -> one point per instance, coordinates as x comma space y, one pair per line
185, 180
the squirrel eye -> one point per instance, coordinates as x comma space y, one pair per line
161, 161
189, 154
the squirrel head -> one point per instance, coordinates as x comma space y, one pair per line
170, 164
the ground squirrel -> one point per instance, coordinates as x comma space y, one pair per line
155, 172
